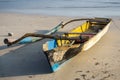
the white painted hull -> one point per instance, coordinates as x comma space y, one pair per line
96, 38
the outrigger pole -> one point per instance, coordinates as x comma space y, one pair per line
57, 37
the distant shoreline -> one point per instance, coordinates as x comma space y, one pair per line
69, 8
36, 14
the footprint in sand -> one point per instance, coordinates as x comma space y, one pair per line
106, 64
78, 71
93, 77
97, 63
105, 72
77, 78
85, 75
88, 71
104, 78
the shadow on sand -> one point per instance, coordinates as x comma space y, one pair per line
27, 60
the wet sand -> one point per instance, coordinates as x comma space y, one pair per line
28, 62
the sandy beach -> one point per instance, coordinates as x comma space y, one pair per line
28, 62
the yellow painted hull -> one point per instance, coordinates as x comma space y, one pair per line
80, 29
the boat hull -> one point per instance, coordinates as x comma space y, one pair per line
58, 54
96, 38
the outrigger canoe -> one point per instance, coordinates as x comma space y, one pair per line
62, 48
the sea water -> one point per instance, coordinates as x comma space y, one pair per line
86, 8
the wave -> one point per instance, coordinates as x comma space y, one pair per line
68, 7
7, 0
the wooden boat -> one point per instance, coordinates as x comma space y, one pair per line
62, 48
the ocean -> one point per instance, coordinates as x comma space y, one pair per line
85, 8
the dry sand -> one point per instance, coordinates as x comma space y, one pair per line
27, 62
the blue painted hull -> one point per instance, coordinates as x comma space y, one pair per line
55, 65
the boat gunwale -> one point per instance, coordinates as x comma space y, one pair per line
96, 36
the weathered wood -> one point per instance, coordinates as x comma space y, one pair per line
9, 42
82, 19
80, 33
43, 36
